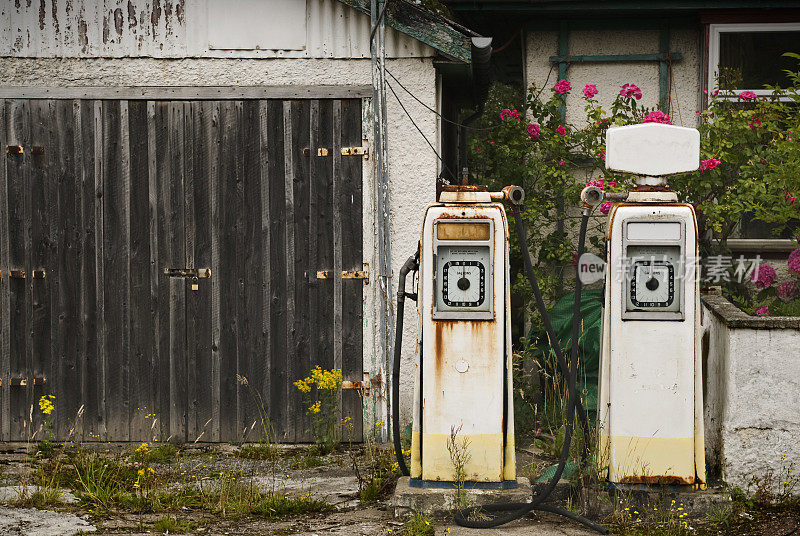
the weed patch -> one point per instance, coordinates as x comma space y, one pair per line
419, 525
173, 525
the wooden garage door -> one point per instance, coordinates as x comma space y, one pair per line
109, 208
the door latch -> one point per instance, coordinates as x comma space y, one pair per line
346, 274
363, 150
362, 386
191, 273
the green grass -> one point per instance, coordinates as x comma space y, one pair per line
163, 453
305, 461
41, 497
258, 451
419, 525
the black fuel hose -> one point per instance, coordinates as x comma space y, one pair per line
412, 264
517, 510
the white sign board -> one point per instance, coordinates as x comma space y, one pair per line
591, 268
652, 149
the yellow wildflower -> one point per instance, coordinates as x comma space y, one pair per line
302, 385
46, 404
144, 447
141, 471
395, 467
316, 407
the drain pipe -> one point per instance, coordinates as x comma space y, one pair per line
481, 79
384, 260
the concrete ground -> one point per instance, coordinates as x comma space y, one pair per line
334, 482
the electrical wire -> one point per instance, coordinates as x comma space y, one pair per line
443, 118
419, 129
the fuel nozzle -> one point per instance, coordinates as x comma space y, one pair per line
592, 196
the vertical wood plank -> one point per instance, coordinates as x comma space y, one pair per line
278, 322
65, 296
350, 203
252, 351
18, 230
301, 155
166, 260
141, 320
153, 415
198, 315
292, 407
99, 171
214, 146
336, 194
116, 250
191, 302
263, 383
5, 295
177, 286
227, 275
39, 200
322, 212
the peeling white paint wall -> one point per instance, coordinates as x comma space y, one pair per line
192, 28
752, 409
608, 77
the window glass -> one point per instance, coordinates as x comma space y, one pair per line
757, 56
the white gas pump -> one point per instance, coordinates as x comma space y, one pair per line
650, 403
463, 377
463, 371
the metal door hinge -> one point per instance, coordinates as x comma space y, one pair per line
16, 274
346, 274
199, 273
14, 149
23, 382
363, 150
362, 386
322, 151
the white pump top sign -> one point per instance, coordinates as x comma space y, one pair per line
652, 149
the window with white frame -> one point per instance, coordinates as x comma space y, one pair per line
754, 51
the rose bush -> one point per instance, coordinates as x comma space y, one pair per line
750, 163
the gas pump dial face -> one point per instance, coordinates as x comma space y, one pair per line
464, 283
653, 278
463, 274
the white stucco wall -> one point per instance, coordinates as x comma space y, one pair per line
752, 413
608, 77
412, 164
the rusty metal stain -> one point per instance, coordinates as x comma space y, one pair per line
42, 13
105, 29
131, 15
180, 10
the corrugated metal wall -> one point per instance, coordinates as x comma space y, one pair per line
178, 29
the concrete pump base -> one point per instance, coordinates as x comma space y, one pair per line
439, 501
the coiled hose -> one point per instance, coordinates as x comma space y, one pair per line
570, 370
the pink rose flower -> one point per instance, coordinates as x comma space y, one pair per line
561, 162
657, 116
755, 123
748, 95
762, 311
605, 208
631, 91
788, 290
533, 131
561, 130
794, 261
763, 276
509, 113
562, 86
590, 90
710, 163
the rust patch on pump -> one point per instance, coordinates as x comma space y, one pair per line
667, 480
